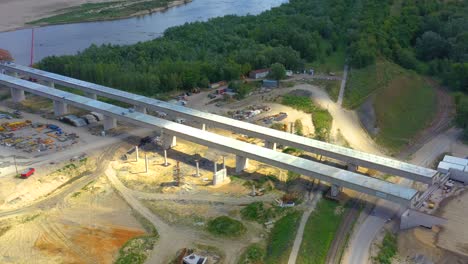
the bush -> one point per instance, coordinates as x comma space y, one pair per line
257, 212
226, 226
254, 254
299, 127
388, 249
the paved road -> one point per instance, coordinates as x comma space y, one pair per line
358, 250
343, 85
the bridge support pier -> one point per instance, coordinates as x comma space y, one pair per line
219, 176
241, 163
91, 95
109, 123
168, 141
60, 108
203, 127
140, 109
352, 167
270, 145
50, 84
335, 190
17, 95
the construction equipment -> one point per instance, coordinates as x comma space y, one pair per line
27, 173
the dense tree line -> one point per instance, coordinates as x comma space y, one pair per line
221, 49
428, 36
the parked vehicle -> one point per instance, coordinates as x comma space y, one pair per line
28, 172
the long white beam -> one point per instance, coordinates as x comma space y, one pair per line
383, 164
389, 191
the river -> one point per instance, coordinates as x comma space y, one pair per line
71, 38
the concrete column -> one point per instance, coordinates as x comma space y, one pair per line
168, 141
140, 109
197, 164
60, 108
165, 158
215, 170
270, 145
137, 154
203, 127
335, 190
17, 95
109, 122
146, 163
241, 163
352, 167
50, 84
91, 95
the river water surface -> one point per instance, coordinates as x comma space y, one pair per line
71, 38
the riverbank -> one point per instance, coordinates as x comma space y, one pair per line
17, 14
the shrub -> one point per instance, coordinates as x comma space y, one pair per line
226, 226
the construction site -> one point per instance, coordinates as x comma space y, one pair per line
202, 178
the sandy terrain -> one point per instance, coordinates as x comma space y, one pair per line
15, 14
454, 234
89, 226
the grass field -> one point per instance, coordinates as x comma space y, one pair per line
363, 82
319, 232
405, 107
321, 118
404, 103
101, 11
282, 238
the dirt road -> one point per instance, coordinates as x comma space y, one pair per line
172, 238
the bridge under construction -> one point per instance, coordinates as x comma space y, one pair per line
338, 178
352, 158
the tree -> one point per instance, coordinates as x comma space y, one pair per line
277, 72
431, 46
299, 127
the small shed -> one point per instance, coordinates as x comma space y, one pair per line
258, 74
270, 83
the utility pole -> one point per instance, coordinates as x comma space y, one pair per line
32, 48
16, 167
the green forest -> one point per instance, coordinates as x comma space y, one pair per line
429, 37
